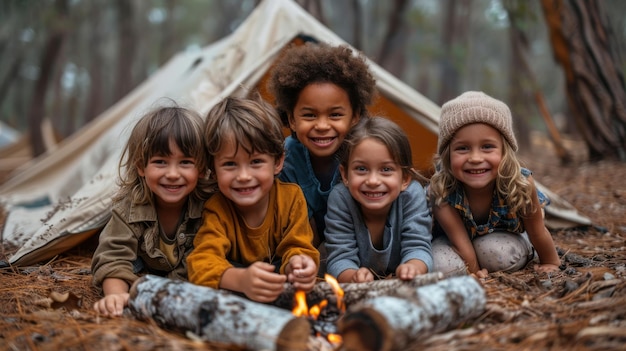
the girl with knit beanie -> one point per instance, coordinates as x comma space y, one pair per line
486, 208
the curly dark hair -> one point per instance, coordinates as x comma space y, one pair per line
302, 65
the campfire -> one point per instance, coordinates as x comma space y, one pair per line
387, 314
322, 316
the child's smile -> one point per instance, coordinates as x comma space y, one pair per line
321, 118
475, 155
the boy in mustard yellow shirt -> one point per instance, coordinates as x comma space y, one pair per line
255, 234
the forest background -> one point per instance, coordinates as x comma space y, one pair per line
66, 61
63, 62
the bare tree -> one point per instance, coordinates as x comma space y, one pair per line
391, 51
455, 31
95, 99
314, 7
48, 60
523, 73
357, 28
168, 32
126, 53
11, 75
581, 40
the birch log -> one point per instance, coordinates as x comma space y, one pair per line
394, 322
217, 315
355, 292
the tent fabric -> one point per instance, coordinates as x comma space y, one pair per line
63, 197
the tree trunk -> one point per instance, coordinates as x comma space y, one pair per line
357, 27
11, 75
394, 323
95, 99
48, 60
217, 316
454, 34
127, 44
581, 42
168, 33
313, 7
519, 45
390, 55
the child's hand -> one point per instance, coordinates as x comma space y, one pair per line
410, 269
363, 275
301, 272
112, 305
261, 284
545, 268
481, 273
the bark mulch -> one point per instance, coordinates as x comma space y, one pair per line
582, 307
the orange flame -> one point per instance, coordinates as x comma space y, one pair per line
301, 308
334, 338
337, 290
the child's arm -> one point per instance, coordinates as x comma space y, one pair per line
258, 281
115, 297
416, 234
341, 240
540, 237
452, 225
112, 262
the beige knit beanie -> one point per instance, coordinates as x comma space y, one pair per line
474, 107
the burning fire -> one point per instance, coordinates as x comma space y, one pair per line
301, 308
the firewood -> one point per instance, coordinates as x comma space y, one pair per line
395, 322
217, 316
355, 292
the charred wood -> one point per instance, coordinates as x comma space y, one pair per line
355, 292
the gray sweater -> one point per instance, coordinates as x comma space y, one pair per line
407, 233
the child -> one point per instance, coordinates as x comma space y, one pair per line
255, 235
378, 221
158, 207
484, 201
321, 91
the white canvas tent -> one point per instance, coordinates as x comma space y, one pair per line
60, 199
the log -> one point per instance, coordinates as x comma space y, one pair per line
355, 292
217, 316
395, 322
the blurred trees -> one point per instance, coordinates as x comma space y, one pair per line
439, 47
585, 46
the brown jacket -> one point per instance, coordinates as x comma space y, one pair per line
129, 244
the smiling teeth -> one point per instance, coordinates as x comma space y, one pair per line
374, 194
477, 171
323, 140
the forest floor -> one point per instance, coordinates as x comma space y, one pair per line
582, 307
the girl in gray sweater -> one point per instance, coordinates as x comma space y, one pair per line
378, 222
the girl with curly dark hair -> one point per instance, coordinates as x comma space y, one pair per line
321, 92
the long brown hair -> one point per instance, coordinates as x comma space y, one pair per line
510, 183
151, 136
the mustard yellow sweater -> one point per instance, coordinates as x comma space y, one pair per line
224, 237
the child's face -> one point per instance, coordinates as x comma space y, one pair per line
322, 117
171, 178
475, 155
246, 179
374, 179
